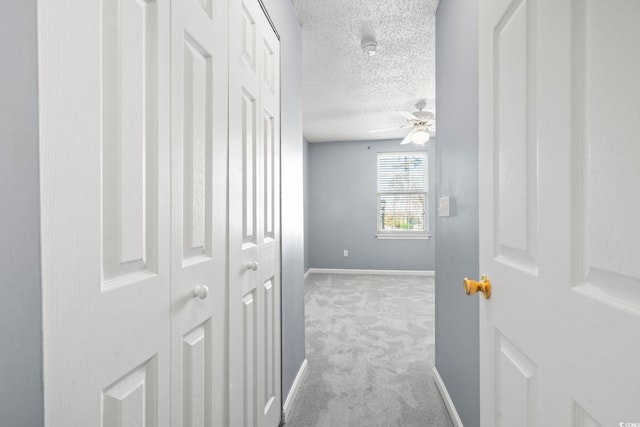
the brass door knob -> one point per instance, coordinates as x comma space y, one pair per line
484, 285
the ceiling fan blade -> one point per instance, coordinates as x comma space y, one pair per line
407, 115
392, 128
407, 139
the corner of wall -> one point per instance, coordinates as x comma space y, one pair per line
283, 16
457, 245
21, 388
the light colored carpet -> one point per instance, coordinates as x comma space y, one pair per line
370, 348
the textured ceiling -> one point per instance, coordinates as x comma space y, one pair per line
347, 93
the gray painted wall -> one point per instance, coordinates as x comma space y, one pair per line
21, 393
457, 335
286, 22
307, 197
342, 209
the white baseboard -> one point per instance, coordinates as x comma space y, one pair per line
291, 397
453, 413
307, 273
381, 272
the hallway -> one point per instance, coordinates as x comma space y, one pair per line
370, 352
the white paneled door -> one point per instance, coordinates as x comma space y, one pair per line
559, 201
105, 185
198, 212
134, 183
254, 249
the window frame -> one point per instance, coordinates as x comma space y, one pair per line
403, 234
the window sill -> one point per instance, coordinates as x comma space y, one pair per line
403, 236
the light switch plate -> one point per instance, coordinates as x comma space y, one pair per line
443, 206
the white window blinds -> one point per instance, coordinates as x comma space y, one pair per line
402, 194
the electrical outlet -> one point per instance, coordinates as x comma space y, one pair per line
346, 252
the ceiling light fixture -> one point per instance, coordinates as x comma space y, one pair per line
420, 136
369, 47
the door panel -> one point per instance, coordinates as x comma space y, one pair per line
199, 192
130, 145
197, 371
132, 401
197, 154
249, 360
269, 311
269, 177
558, 91
605, 92
249, 164
582, 418
516, 385
254, 248
104, 151
516, 199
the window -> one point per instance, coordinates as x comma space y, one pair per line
402, 195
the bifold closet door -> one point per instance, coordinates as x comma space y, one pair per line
105, 209
199, 212
254, 218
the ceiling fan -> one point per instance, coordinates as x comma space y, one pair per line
421, 122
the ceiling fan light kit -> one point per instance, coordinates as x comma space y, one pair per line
420, 136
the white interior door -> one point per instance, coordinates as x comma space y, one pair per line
104, 153
199, 212
560, 235
254, 231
